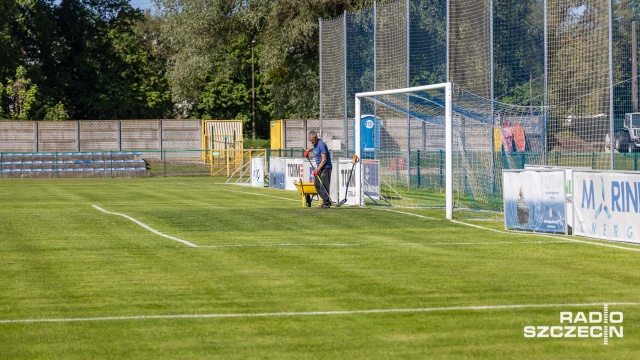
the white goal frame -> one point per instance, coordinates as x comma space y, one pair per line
448, 138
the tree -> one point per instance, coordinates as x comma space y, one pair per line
21, 96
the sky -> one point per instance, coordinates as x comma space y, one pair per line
141, 4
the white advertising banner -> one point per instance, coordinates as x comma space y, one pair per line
568, 178
607, 205
347, 181
535, 200
257, 171
276, 172
293, 173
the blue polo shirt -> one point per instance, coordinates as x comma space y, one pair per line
321, 148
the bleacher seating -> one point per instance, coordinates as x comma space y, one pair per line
73, 164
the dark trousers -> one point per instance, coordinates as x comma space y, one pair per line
325, 176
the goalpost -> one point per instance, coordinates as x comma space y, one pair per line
439, 146
446, 87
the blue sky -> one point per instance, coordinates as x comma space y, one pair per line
141, 4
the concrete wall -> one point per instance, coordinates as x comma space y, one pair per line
100, 135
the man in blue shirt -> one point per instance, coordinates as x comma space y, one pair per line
323, 168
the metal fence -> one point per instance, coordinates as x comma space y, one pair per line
576, 59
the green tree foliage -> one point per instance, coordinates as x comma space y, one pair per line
99, 58
20, 96
209, 44
56, 113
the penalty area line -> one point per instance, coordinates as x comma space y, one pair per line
146, 226
311, 313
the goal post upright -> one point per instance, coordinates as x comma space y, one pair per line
448, 137
449, 150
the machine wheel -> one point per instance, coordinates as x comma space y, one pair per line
632, 147
307, 200
621, 141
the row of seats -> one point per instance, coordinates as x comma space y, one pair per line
75, 154
49, 163
72, 164
76, 170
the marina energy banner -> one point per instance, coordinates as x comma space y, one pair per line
607, 205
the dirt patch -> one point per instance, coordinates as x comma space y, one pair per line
573, 144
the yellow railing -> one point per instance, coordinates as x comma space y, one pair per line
213, 143
232, 162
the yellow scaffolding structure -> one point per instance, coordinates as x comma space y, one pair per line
221, 135
234, 162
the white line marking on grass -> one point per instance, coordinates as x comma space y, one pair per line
311, 313
522, 233
238, 191
146, 226
380, 244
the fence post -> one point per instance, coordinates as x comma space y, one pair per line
35, 137
77, 135
418, 166
440, 165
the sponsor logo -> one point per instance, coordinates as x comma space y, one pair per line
368, 124
622, 197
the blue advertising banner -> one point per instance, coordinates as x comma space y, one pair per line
371, 178
535, 200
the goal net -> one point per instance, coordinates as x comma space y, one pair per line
440, 146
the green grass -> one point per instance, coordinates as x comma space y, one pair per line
63, 259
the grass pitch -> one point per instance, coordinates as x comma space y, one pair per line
267, 278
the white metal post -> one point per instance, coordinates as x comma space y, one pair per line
358, 170
449, 151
